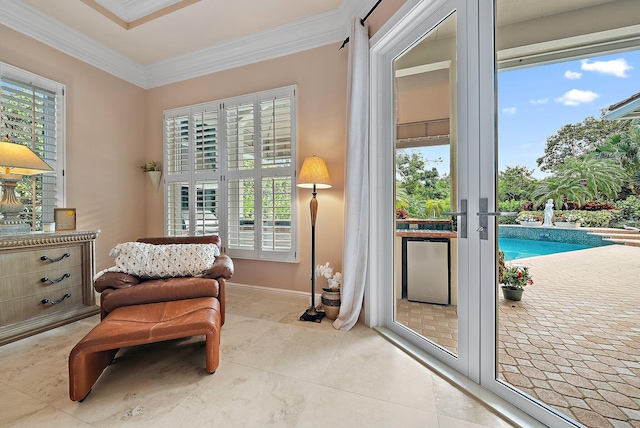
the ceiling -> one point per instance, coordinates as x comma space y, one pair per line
155, 42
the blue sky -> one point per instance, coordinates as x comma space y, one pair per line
535, 102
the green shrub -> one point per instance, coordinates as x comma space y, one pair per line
596, 218
508, 206
628, 210
589, 218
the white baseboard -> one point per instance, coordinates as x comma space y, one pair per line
281, 295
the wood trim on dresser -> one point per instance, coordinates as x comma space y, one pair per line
46, 280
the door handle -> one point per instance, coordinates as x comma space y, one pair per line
462, 224
484, 215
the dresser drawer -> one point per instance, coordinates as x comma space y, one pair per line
66, 262
31, 283
14, 263
24, 308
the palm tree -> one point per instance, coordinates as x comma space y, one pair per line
402, 197
561, 191
581, 180
625, 148
436, 207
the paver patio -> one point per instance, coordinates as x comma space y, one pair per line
573, 341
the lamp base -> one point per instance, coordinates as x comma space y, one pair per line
14, 229
312, 314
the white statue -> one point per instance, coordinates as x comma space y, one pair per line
548, 213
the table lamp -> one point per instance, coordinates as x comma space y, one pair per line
16, 160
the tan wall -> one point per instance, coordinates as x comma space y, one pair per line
104, 140
321, 76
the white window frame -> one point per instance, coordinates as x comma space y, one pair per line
55, 157
181, 171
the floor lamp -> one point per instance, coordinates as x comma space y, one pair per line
313, 175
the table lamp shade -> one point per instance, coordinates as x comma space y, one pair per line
20, 159
314, 172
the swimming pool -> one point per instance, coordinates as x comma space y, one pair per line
520, 248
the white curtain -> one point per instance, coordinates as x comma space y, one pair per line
355, 250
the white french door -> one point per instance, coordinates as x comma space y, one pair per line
438, 41
421, 111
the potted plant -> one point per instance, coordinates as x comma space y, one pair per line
514, 279
153, 172
569, 220
526, 219
331, 294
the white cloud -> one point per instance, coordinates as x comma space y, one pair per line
539, 101
615, 67
575, 97
572, 75
510, 110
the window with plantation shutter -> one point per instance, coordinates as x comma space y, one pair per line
32, 113
230, 170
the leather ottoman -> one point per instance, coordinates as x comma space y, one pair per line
141, 324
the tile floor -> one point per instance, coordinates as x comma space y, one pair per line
275, 371
573, 342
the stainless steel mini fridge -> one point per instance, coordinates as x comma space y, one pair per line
427, 270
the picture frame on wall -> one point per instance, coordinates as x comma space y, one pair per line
65, 218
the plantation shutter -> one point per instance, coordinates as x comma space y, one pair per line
32, 110
276, 136
230, 171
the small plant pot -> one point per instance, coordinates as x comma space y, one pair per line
331, 303
530, 223
512, 294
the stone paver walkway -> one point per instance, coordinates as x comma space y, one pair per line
574, 340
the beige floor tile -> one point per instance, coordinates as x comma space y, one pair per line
274, 371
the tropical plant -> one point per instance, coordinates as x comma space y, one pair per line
402, 197
435, 207
625, 148
581, 180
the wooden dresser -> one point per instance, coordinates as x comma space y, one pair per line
46, 280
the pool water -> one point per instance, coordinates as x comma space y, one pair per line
520, 248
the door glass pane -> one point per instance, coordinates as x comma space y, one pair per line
565, 100
425, 268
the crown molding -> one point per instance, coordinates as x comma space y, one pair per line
32, 23
298, 36
307, 33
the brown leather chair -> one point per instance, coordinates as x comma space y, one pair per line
137, 311
121, 289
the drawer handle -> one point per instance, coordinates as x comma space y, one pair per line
55, 281
64, 256
55, 302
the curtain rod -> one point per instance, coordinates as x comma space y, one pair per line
362, 21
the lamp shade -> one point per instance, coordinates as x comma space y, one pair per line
20, 159
314, 172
